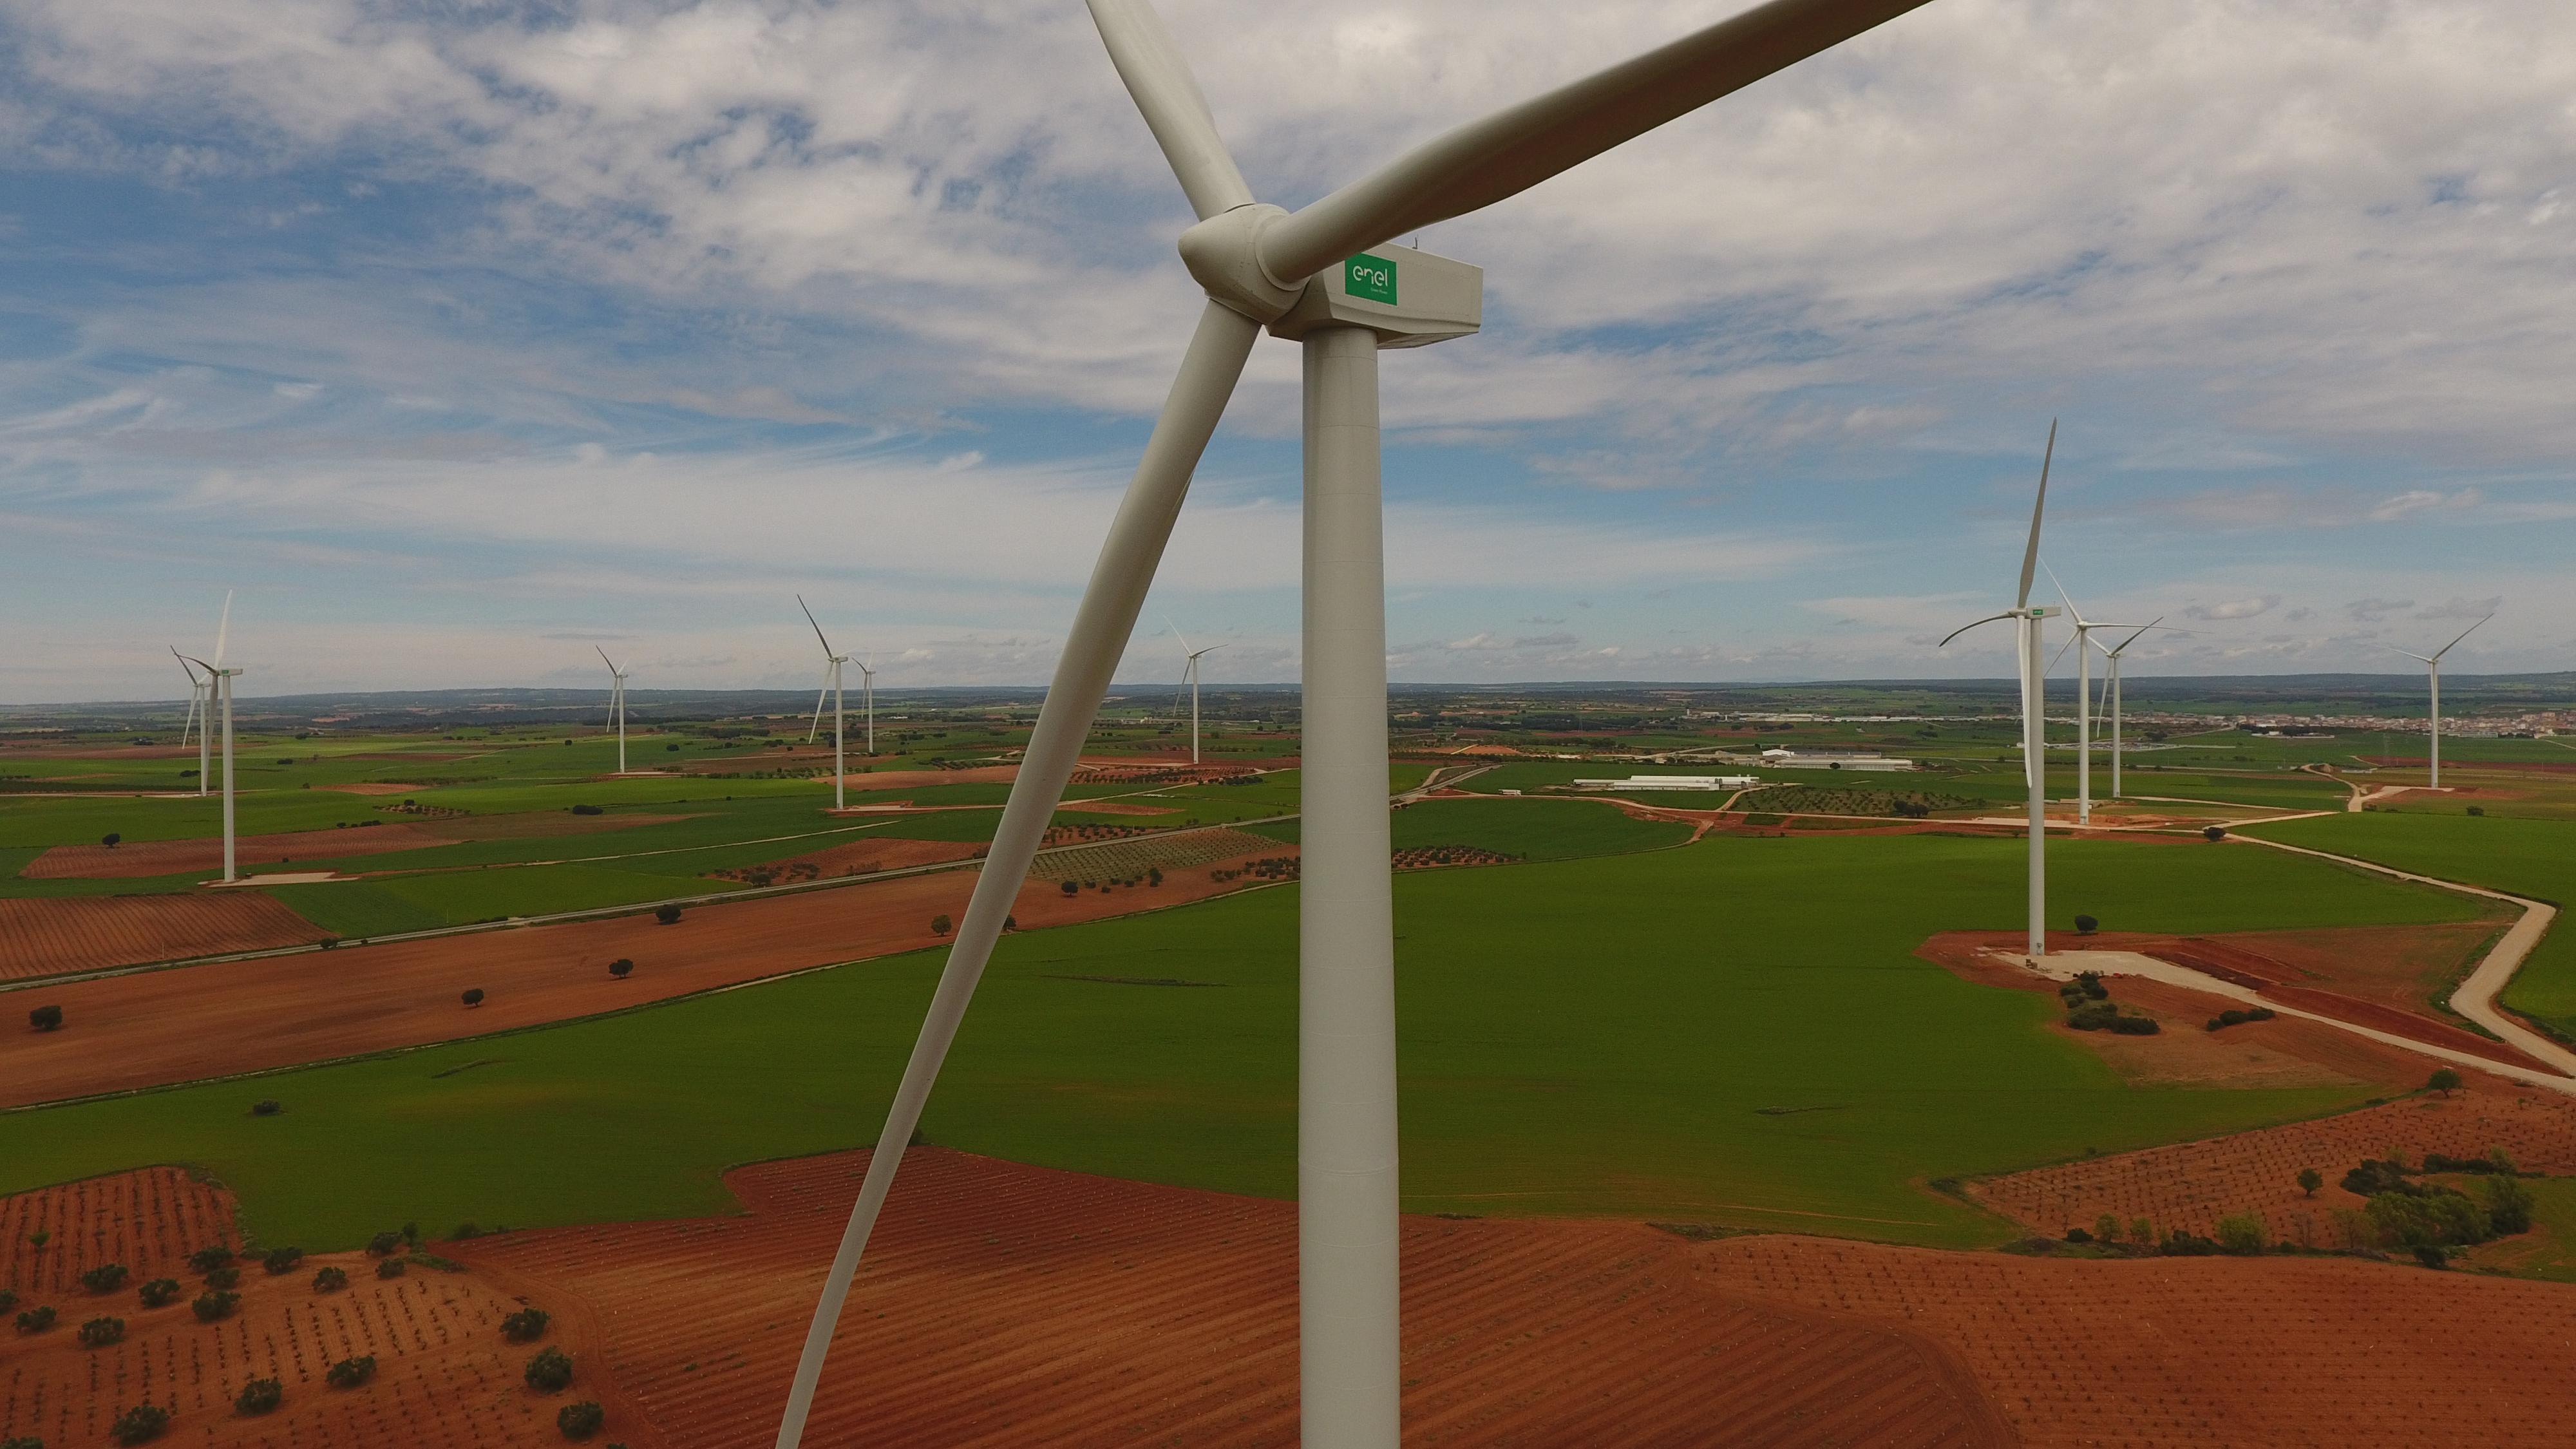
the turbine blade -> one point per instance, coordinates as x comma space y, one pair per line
1177, 634
2464, 633
2054, 659
818, 629
2063, 597
1102, 625
1175, 109
224, 630
1964, 628
2030, 556
819, 696
604, 659
1514, 149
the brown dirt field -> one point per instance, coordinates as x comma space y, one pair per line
374, 787
1011, 1305
44, 936
2398, 966
2194, 1184
445, 1377
861, 857
170, 1026
140, 858
2168, 1352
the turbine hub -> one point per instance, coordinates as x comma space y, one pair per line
1224, 254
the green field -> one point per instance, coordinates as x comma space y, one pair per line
1733, 1031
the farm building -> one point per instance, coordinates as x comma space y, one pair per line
1671, 782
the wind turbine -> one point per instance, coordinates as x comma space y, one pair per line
197, 692
1190, 681
616, 704
2433, 671
832, 686
2083, 646
1324, 277
2112, 686
868, 701
2032, 620
219, 689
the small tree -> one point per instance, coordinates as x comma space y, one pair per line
36, 1320
260, 1395
224, 1278
2141, 1232
110, 839
2310, 1180
940, 925
159, 1293
391, 1267
2214, 832
2086, 925
619, 967
2508, 1205
385, 1242
100, 1332
2444, 1080
39, 1238
280, 1261
349, 1373
2107, 1227
526, 1326
2242, 1234
208, 1259
330, 1280
580, 1421
216, 1304
667, 915
140, 1425
1072, 888
46, 1018
474, 996
105, 1278
550, 1371
267, 1107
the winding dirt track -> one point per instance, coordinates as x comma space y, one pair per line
193, 1022
1011, 1305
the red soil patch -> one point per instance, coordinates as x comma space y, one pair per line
444, 1374
2194, 1184
172, 857
2397, 966
1010, 1305
183, 1024
44, 936
2205, 1351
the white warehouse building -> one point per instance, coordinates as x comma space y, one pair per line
1672, 782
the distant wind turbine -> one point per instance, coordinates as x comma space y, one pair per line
197, 692
2083, 646
831, 686
219, 687
616, 704
1190, 681
2031, 619
868, 702
2112, 687
2433, 672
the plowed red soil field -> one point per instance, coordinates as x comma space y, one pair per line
43, 936
445, 1377
865, 857
2280, 1353
1010, 1305
183, 1024
2194, 1184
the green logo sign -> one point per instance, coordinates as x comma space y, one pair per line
1370, 277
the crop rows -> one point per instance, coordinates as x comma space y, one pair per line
149, 1220
1127, 859
2192, 1185
45, 936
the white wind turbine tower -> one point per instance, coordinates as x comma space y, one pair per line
1190, 682
2083, 646
2433, 673
219, 690
2034, 722
197, 692
616, 704
2111, 686
831, 686
868, 702
1324, 277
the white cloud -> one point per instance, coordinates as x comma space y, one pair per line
2235, 608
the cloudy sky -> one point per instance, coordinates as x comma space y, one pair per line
461, 335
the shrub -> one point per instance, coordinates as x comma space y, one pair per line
281, 1261
105, 1278
139, 1425
549, 1371
2142, 1232
667, 915
2107, 1227
2431, 1256
385, 1242
391, 1267
2477, 810
40, 1237
208, 1259
8, 1300
100, 1332
2214, 832
2180, 1244
2444, 1080
463, 1232
46, 1018
940, 925
160, 1292
2242, 1235
2078, 1235
36, 1320
260, 1395
2090, 983
267, 1107
330, 1280
32, 1442
526, 1326
219, 1303
619, 967
2086, 925
349, 1373
2135, 1026
1071, 888
2310, 1180
224, 1278
473, 996
587, 809
580, 1421
2508, 1205
2093, 1016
